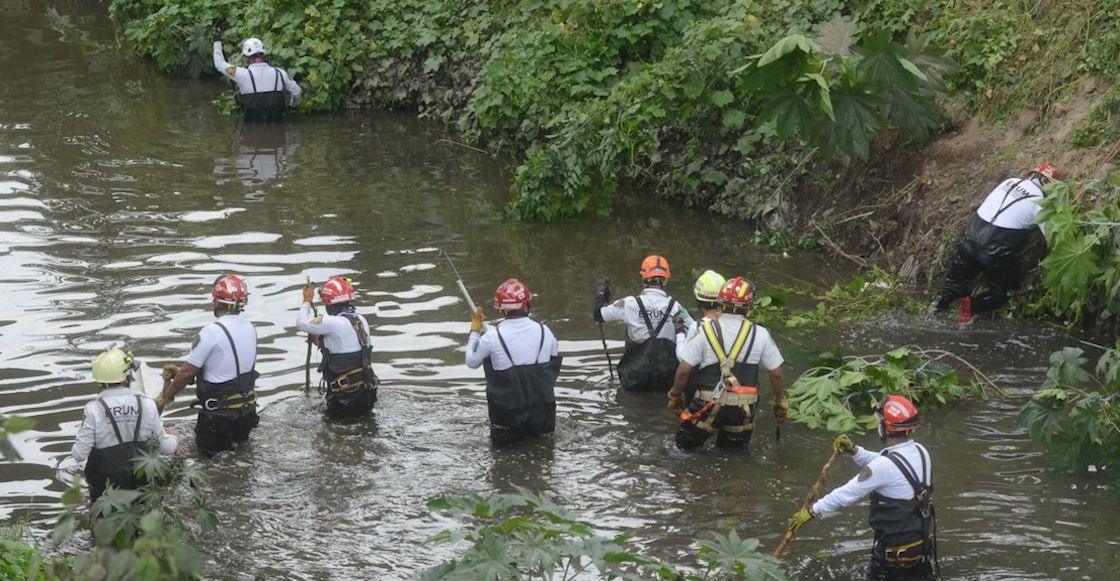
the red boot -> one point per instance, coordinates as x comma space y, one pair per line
966, 311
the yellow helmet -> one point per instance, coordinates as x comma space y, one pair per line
113, 366
707, 286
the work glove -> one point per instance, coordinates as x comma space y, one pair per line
676, 403
781, 408
217, 32
162, 401
602, 293
309, 293
169, 372
476, 319
799, 518
843, 443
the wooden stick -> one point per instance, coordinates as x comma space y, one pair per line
826, 470
836, 248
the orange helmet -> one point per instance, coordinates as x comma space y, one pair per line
737, 293
655, 266
897, 414
1047, 170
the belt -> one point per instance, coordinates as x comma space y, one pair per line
239, 400
898, 552
344, 383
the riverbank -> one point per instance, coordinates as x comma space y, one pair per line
585, 98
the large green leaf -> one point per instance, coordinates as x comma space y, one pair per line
791, 43
857, 121
1071, 266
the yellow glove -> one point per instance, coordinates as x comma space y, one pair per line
169, 372
676, 404
476, 319
781, 407
309, 293
162, 401
843, 443
799, 518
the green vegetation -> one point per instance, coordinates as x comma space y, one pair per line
136, 533
829, 394
1076, 415
1081, 274
524, 535
12, 425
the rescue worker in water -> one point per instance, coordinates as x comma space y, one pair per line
223, 360
706, 291
1001, 227
521, 360
117, 425
260, 86
900, 482
349, 383
717, 378
652, 319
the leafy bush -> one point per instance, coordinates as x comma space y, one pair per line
828, 395
527, 536
22, 561
12, 425
1078, 424
1081, 274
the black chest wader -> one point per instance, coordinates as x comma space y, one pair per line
263, 105
905, 540
731, 415
113, 464
521, 400
651, 364
349, 383
229, 409
989, 245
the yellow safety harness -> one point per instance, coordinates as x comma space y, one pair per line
728, 392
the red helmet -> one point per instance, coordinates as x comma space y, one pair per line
737, 293
897, 414
336, 290
512, 295
1047, 170
655, 266
229, 289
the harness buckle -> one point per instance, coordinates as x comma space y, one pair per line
211, 405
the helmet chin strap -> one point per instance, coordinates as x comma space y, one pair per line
882, 433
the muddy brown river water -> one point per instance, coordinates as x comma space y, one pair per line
123, 193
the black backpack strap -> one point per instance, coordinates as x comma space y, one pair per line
665, 319
645, 317
236, 360
109, 416
139, 419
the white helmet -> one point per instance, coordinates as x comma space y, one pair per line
252, 46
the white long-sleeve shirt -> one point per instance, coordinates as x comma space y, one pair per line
1016, 215
697, 352
97, 431
263, 75
213, 354
655, 301
878, 474
337, 332
523, 337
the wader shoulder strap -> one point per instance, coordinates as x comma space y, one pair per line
1003, 208
359, 330
139, 419
112, 422
665, 319
908, 471
252, 79
236, 360
276, 81
498, 332
645, 317
540, 348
